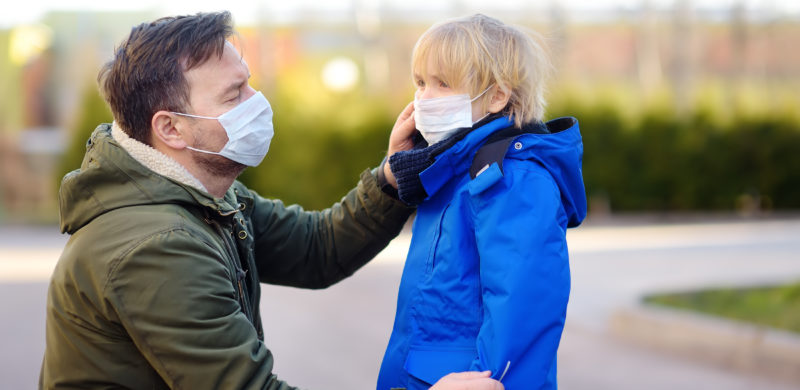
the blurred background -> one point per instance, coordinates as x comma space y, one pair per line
686, 105
689, 109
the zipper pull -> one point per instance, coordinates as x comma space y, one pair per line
240, 274
504, 371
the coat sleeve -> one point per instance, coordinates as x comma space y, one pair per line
190, 329
520, 231
315, 249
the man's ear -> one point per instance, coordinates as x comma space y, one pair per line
498, 98
166, 130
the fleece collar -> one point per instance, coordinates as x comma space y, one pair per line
154, 160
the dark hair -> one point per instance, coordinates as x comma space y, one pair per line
147, 72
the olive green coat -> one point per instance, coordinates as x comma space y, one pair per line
158, 285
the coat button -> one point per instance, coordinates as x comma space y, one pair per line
518, 145
242, 234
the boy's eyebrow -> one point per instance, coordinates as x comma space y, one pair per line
431, 76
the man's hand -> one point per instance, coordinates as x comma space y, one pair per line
400, 139
468, 381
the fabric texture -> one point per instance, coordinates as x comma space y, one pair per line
486, 281
406, 167
158, 284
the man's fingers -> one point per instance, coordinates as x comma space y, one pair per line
472, 380
407, 112
400, 138
470, 375
405, 121
483, 384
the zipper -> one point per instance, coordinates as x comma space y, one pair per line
238, 272
437, 236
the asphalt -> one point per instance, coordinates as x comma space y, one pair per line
334, 338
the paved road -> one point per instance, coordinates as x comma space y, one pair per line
334, 338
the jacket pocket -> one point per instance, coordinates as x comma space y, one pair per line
429, 364
437, 237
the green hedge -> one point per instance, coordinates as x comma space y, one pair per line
663, 161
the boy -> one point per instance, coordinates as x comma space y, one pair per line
486, 281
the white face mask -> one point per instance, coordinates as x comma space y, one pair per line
438, 118
249, 129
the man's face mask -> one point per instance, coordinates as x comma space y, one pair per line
438, 118
249, 129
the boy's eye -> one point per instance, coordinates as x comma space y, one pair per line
420, 83
443, 84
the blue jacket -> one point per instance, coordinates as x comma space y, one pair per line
486, 281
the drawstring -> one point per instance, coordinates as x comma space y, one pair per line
234, 211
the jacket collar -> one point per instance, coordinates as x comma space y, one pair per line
166, 166
111, 178
458, 157
154, 160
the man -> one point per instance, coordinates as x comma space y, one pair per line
158, 286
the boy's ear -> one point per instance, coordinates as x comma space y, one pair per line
498, 98
165, 130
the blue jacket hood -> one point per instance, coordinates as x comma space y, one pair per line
561, 153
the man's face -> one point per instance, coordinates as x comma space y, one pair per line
216, 87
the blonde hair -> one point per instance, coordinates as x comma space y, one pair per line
478, 51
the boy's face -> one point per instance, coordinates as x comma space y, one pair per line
430, 85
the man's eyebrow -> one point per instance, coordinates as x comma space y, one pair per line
235, 86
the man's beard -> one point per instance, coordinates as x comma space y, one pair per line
218, 166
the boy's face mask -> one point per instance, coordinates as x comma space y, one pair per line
438, 118
249, 130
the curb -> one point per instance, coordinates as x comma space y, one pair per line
743, 347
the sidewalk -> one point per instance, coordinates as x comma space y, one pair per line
615, 265
334, 338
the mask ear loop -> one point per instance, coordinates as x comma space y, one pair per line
476, 98
193, 148
200, 117
203, 151
194, 116
481, 118
482, 93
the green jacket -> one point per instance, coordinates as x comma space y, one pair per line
158, 285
